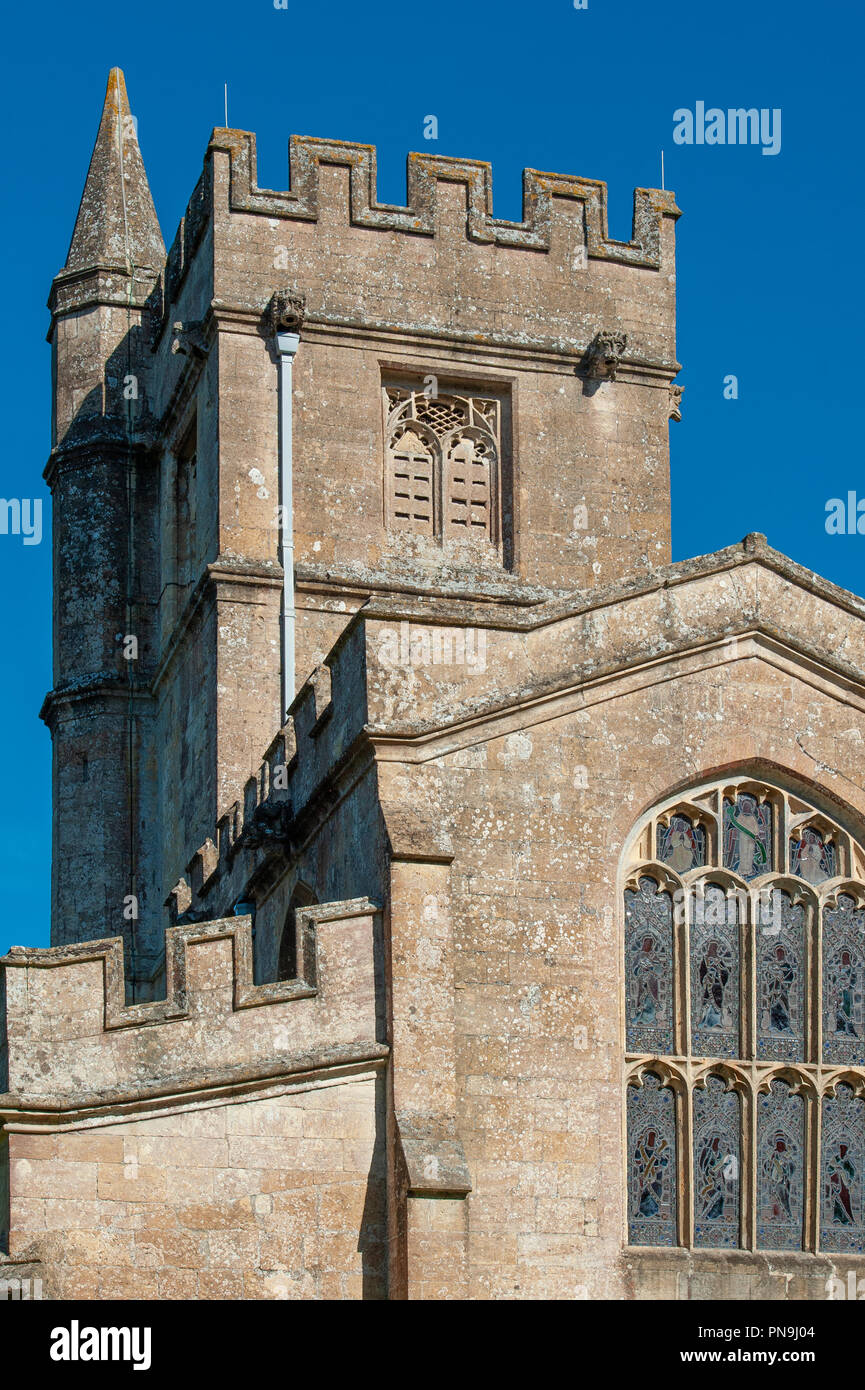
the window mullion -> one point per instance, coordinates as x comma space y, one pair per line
686, 1162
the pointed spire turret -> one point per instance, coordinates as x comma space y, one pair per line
116, 223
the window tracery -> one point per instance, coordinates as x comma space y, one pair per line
744, 994
443, 464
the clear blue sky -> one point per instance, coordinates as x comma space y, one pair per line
770, 270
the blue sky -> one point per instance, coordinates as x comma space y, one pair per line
770, 274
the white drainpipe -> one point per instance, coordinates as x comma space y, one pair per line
286, 345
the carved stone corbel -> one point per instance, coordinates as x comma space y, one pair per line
286, 312
605, 353
676, 402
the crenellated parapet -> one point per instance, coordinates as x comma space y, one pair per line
74, 1043
424, 172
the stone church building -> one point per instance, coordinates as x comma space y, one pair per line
452, 897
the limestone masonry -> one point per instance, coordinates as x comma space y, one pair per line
335, 1005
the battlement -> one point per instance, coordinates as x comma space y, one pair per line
74, 1043
424, 172
311, 198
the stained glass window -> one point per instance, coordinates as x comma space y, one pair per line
844, 983
649, 965
714, 974
716, 1165
681, 844
780, 1186
812, 857
781, 980
842, 1219
750, 979
748, 836
652, 1151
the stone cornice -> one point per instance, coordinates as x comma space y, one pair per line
509, 604
359, 581
103, 686
28, 1112
553, 608
503, 349
97, 448
115, 285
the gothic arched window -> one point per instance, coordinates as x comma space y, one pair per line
442, 455
744, 1001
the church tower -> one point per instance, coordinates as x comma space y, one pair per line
315, 398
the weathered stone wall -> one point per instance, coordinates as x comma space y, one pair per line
227, 1141
279, 1197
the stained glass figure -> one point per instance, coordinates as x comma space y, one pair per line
844, 983
652, 1160
842, 1220
649, 968
812, 857
714, 974
681, 844
748, 836
780, 1186
716, 1166
780, 980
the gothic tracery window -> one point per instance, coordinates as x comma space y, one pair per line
744, 999
443, 464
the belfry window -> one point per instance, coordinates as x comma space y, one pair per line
443, 458
744, 970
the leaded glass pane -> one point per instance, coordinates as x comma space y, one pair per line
681, 844
748, 836
780, 1186
716, 1166
649, 968
812, 857
652, 1163
843, 983
714, 974
780, 980
842, 1220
